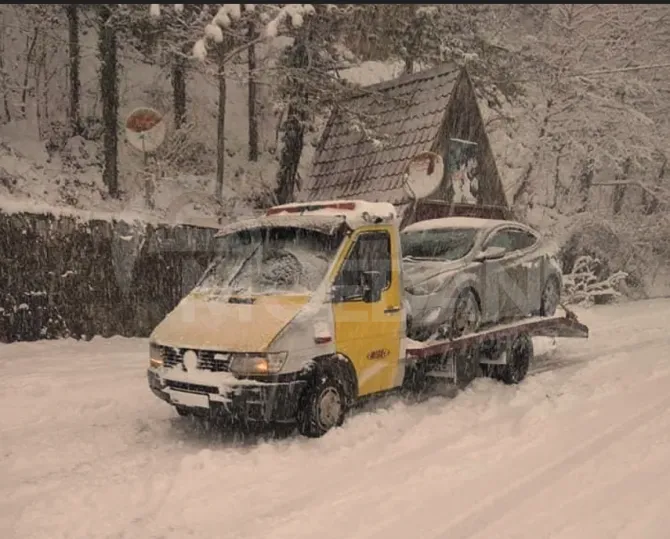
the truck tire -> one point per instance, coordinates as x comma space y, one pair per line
519, 356
322, 407
467, 366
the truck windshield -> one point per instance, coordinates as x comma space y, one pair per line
438, 243
264, 261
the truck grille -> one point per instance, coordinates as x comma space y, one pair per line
207, 359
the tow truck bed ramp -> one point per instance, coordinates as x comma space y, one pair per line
559, 325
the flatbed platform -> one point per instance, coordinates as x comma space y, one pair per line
560, 325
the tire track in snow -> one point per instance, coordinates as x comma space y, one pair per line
408, 458
629, 488
482, 517
585, 358
491, 509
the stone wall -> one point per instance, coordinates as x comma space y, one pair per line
66, 276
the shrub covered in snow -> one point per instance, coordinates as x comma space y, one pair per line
586, 285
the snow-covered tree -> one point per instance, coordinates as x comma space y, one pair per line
226, 36
573, 57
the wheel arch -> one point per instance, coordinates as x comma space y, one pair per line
341, 368
471, 286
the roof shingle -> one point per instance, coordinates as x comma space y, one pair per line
405, 114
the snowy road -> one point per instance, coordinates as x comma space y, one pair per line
579, 451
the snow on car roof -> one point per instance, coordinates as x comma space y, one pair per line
458, 222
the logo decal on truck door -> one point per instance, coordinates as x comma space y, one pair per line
379, 354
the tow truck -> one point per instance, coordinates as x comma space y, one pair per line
301, 316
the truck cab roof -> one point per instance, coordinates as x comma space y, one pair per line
326, 216
356, 213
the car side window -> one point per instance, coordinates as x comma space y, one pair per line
371, 252
502, 238
523, 239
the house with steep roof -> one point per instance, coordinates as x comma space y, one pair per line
369, 140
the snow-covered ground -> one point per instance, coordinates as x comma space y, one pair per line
581, 449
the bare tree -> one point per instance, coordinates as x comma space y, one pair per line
297, 61
109, 91
4, 78
221, 122
74, 56
252, 86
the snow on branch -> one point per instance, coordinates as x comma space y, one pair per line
582, 285
155, 9
272, 15
295, 12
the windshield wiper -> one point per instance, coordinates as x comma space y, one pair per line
244, 263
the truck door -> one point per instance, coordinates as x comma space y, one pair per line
369, 334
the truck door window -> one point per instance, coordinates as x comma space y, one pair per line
371, 252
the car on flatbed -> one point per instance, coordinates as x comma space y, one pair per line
463, 273
302, 314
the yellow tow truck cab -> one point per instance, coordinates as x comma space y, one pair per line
300, 315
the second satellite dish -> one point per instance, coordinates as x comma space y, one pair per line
424, 174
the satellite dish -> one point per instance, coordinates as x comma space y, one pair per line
423, 174
145, 129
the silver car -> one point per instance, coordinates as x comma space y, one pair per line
463, 273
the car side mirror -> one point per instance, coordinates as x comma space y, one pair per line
491, 253
372, 286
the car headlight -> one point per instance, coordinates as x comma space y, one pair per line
270, 363
155, 355
426, 287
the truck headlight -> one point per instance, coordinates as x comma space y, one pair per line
270, 363
155, 355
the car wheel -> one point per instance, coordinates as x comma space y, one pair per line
551, 296
467, 315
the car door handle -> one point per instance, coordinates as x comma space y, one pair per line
391, 310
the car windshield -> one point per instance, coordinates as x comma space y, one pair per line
438, 243
264, 261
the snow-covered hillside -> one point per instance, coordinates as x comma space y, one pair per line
567, 112
32, 177
581, 449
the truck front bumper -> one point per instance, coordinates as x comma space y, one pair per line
267, 402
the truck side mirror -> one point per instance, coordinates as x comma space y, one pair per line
372, 286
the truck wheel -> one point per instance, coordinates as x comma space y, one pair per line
466, 363
322, 407
519, 356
